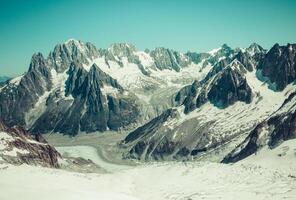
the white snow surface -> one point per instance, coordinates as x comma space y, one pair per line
270, 174
214, 51
131, 77
91, 153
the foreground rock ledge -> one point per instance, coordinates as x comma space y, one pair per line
18, 147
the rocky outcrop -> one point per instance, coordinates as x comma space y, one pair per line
169, 59
254, 49
148, 130
230, 87
17, 146
279, 65
223, 87
151, 126
197, 57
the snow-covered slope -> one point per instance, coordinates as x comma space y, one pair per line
268, 175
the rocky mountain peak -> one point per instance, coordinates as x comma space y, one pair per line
225, 46
37, 61
64, 54
95, 74
225, 50
246, 60
279, 65
255, 48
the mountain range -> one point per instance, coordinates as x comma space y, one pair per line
224, 104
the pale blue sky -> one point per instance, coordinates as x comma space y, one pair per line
29, 26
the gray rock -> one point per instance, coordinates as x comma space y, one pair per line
36, 151
16, 100
91, 109
73, 50
279, 65
169, 59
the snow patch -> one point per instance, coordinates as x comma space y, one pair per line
109, 90
16, 81
214, 51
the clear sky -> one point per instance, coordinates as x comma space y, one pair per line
28, 26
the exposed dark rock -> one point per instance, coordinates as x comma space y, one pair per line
18, 98
246, 60
34, 151
254, 49
279, 65
197, 57
223, 88
64, 54
91, 109
168, 59
151, 126
230, 87
59, 94
186, 91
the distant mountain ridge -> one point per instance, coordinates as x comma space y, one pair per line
134, 81
184, 104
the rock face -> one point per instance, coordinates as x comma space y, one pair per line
73, 50
229, 88
17, 146
169, 59
93, 102
254, 49
21, 93
279, 65
142, 148
224, 87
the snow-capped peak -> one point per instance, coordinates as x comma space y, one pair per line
77, 43
72, 40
